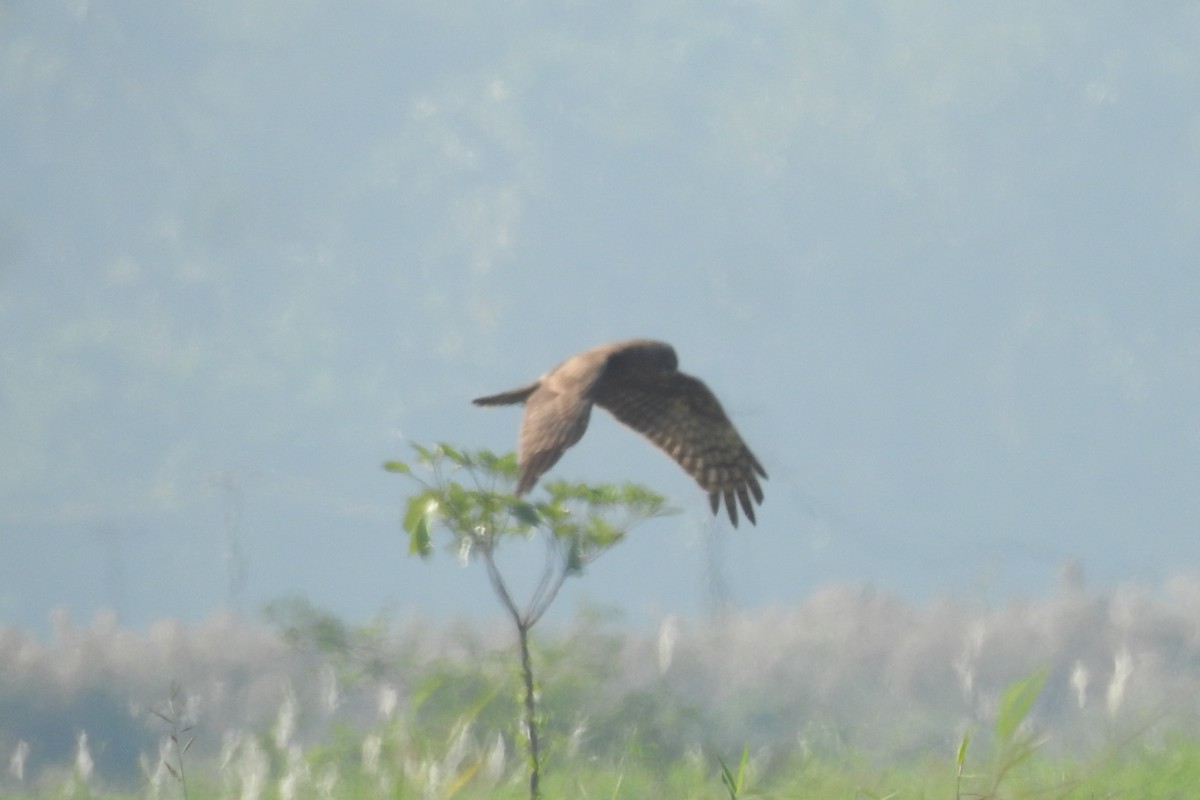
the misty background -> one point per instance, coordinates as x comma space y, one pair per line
938, 261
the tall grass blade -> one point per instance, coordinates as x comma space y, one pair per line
1015, 704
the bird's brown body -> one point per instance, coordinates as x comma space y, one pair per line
639, 383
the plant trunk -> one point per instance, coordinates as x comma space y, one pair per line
530, 713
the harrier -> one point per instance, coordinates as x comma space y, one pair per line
638, 383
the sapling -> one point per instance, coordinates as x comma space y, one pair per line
469, 496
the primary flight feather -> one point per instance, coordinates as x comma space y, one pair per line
639, 383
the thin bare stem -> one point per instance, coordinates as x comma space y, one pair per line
177, 731
531, 728
553, 576
497, 581
549, 572
536, 613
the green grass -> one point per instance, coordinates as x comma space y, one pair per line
414, 716
1137, 772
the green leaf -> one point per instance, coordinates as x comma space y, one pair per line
1015, 704
960, 758
507, 464
454, 455
398, 467
524, 513
733, 783
602, 533
461, 505
417, 508
416, 522
418, 540
574, 558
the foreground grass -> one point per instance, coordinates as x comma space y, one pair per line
1169, 770
329, 710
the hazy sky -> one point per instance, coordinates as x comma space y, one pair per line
940, 262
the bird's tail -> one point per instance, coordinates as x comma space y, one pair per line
507, 398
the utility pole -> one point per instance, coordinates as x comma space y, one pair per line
716, 577
230, 484
113, 557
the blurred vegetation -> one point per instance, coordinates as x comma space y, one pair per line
854, 693
322, 707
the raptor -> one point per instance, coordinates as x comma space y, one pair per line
638, 382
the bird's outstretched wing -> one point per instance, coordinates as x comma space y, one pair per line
680, 415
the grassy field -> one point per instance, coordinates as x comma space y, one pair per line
1137, 771
854, 695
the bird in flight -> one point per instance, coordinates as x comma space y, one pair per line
639, 383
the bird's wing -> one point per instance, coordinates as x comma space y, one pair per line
557, 413
554, 420
683, 417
